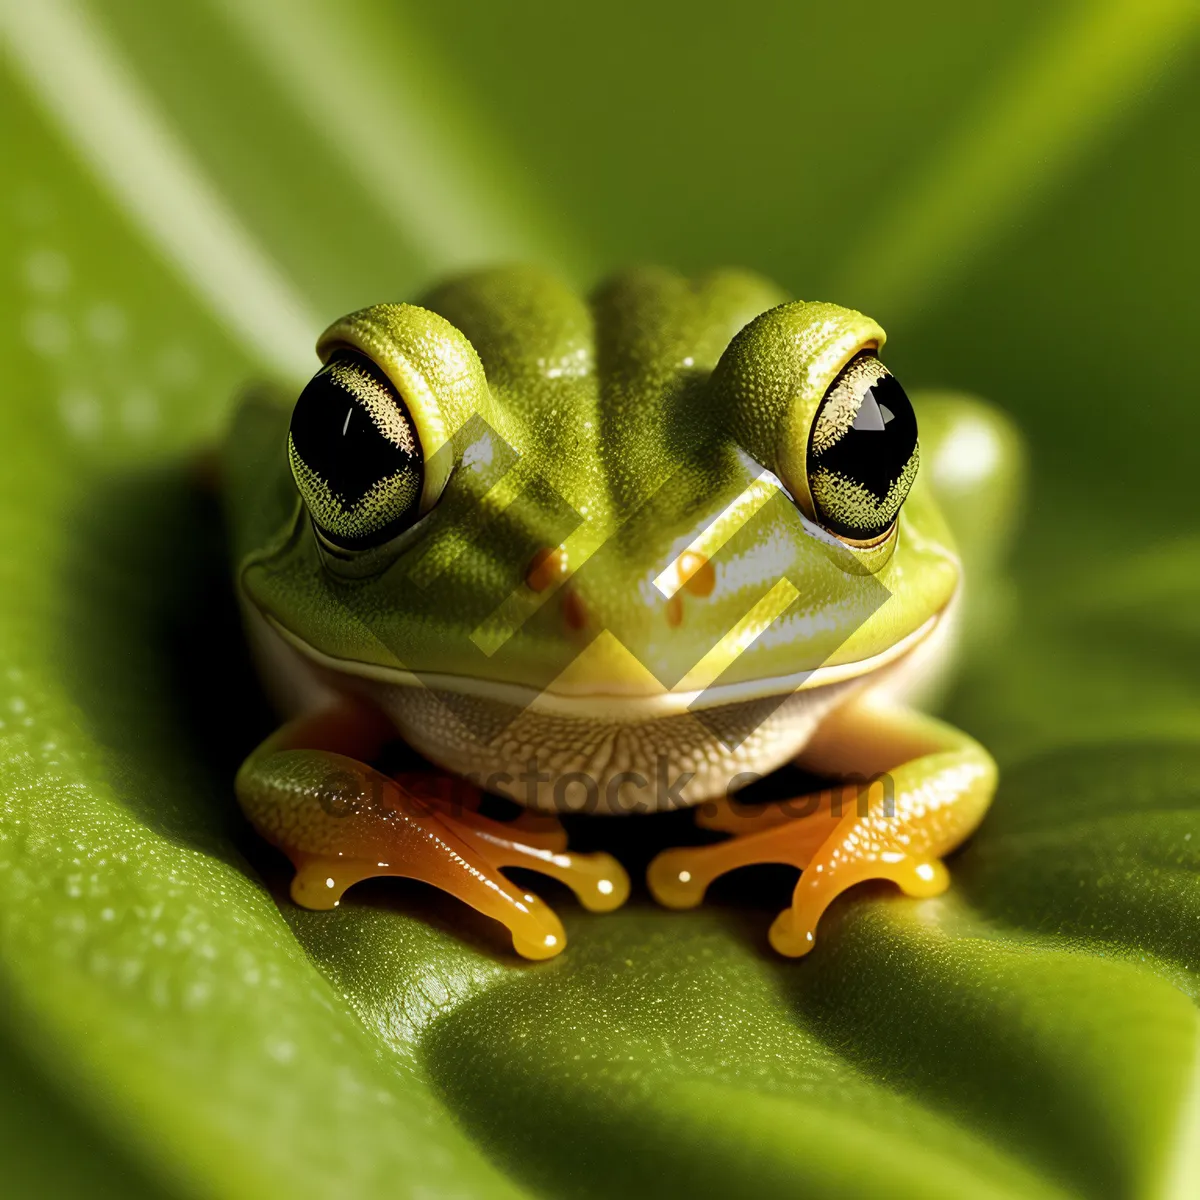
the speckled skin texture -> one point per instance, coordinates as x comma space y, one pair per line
576, 455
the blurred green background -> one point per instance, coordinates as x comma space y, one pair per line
190, 193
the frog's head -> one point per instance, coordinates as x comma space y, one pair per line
676, 495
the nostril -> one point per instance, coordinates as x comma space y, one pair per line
696, 573
574, 611
548, 566
696, 577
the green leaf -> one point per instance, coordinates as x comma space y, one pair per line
190, 193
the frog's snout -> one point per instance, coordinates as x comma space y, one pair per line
550, 567
688, 578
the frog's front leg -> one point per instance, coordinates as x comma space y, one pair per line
931, 785
309, 791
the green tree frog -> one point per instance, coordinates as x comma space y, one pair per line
615, 554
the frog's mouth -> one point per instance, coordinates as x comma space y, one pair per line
606, 681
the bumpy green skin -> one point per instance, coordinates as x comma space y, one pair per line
623, 408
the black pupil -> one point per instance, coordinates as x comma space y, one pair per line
875, 449
873, 454
336, 437
336, 433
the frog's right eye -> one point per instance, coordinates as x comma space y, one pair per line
355, 454
862, 451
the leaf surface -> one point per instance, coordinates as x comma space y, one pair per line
174, 1021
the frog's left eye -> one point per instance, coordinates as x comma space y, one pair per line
354, 453
862, 452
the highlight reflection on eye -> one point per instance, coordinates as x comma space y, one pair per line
862, 452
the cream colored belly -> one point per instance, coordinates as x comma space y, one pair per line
600, 764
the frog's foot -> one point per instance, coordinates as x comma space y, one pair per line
896, 827
340, 821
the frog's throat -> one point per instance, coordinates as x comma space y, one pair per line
638, 696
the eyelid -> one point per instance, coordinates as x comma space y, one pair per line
369, 560
855, 558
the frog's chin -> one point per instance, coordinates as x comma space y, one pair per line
606, 755
606, 681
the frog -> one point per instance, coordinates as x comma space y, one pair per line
614, 554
